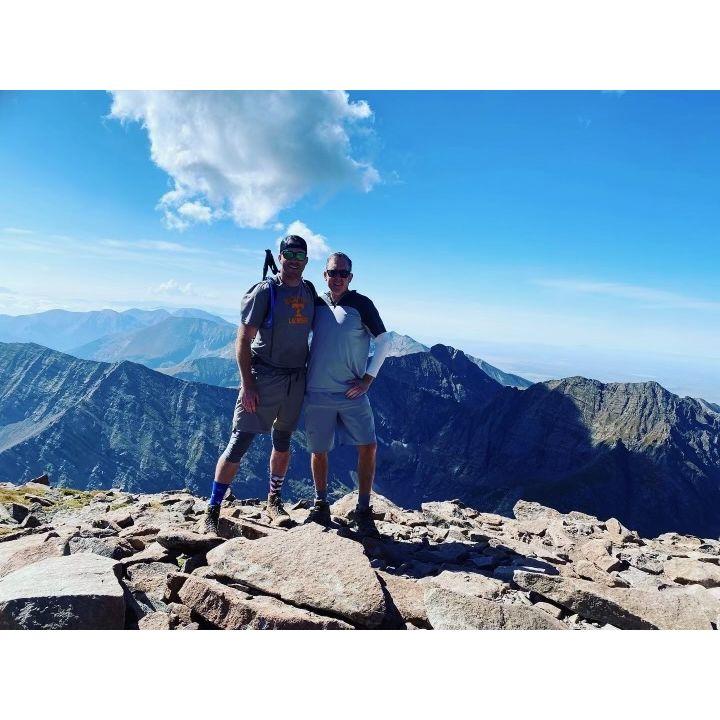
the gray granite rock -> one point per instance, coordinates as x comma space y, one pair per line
232, 609
71, 592
309, 567
448, 610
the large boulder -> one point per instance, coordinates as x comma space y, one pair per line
686, 571
310, 567
150, 578
187, 541
72, 592
408, 596
587, 599
232, 609
626, 608
448, 610
467, 583
383, 509
526, 510
24, 551
111, 547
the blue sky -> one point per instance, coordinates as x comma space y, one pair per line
553, 234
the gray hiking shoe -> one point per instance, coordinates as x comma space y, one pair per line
363, 522
209, 521
278, 515
320, 514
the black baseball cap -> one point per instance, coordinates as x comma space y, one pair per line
293, 242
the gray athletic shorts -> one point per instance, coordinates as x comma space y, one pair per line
328, 413
281, 398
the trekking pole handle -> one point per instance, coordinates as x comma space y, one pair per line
269, 264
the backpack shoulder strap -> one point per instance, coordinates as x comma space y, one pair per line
269, 316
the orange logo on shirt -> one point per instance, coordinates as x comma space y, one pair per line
298, 305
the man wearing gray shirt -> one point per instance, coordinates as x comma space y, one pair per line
339, 375
272, 350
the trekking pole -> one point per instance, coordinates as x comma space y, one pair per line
269, 264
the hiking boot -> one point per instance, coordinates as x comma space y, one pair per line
209, 521
320, 514
364, 523
278, 515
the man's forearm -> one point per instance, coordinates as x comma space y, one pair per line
244, 360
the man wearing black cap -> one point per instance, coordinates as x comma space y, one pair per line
272, 350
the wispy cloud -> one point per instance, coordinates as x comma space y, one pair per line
17, 231
650, 298
318, 249
159, 245
248, 155
173, 287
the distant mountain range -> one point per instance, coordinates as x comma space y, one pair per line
189, 344
445, 429
164, 344
63, 330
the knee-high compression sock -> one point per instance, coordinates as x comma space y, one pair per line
276, 483
218, 493
363, 502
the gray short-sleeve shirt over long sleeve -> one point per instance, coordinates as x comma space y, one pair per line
341, 341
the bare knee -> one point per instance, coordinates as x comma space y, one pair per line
367, 450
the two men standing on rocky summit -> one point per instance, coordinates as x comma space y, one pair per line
277, 316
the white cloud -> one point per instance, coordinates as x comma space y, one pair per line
159, 245
173, 287
248, 155
318, 249
196, 211
650, 297
17, 231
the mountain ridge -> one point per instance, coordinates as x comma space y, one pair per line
636, 449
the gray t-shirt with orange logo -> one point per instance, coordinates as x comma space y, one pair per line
285, 343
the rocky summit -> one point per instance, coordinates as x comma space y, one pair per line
73, 559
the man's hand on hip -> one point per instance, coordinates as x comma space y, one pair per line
358, 387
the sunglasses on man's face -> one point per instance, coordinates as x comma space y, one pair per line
294, 255
338, 273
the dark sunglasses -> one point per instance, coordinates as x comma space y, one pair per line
338, 273
294, 254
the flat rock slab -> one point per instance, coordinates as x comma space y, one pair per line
154, 552
232, 609
692, 572
448, 610
31, 549
408, 597
155, 621
625, 608
669, 609
187, 541
467, 583
309, 567
111, 547
231, 527
72, 592
150, 578
383, 509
